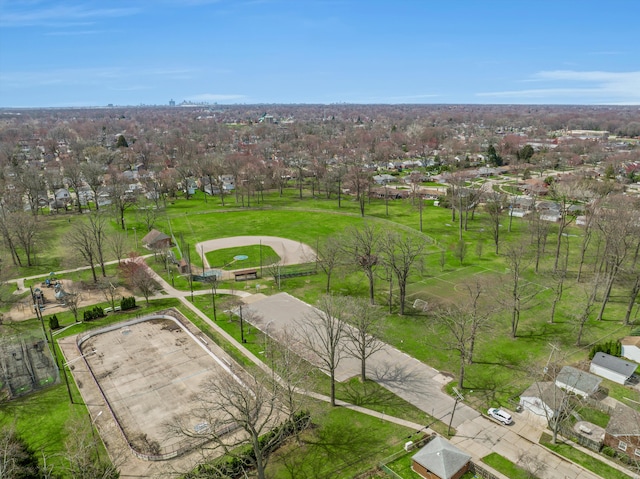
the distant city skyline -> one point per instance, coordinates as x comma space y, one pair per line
84, 53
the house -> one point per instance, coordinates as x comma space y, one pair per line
542, 399
62, 195
577, 381
616, 369
157, 240
440, 459
631, 348
383, 179
623, 431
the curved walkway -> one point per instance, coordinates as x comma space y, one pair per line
476, 434
290, 252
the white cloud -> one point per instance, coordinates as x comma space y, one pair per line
57, 15
580, 86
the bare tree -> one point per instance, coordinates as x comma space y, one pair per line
291, 371
324, 335
26, 230
73, 175
581, 317
93, 171
98, 226
617, 224
72, 300
232, 412
109, 291
17, 459
539, 232
462, 321
81, 239
148, 211
362, 250
495, 208
273, 267
401, 253
82, 453
121, 197
518, 292
6, 228
329, 257
560, 193
366, 325
117, 244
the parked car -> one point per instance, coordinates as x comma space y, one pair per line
500, 415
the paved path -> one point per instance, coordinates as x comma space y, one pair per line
407, 377
289, 251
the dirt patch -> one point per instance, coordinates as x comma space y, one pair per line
89, 295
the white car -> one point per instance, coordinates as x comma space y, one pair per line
500, 415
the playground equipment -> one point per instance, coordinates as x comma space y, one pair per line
59, 291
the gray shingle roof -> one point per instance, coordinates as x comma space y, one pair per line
624, 421
578, 379
618, 365
442, 458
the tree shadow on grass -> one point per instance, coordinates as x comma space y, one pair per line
367, 394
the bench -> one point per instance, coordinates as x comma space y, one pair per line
246, 274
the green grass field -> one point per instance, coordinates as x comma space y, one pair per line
502, 365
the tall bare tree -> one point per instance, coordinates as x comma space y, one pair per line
26, 229
616, 223
98, 225
81, 239
458, 324
329, 257
495, 208
366, 323
81, 452
362, 250
235, 412
401, 253
17, 459
324, 335
518, 293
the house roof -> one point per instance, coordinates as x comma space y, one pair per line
548, 392
442, 458
618, 365
624, 421
578, 379
631, 341
154, 236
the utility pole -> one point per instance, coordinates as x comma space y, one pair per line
241, 326
459, 397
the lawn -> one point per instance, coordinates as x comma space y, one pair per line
233, 258
506, 467
502, 365
342, 444
585, 460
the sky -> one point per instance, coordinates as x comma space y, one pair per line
147, 52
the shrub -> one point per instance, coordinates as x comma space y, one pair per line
53, 322
614, 348
94, 313
127, 303
608, 451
